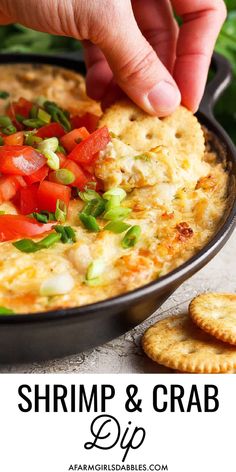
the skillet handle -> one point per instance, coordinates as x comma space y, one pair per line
214, 89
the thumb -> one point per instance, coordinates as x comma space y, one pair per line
137, 69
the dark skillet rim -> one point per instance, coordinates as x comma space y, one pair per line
153, 287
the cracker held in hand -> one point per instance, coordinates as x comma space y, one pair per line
180, 132
177, 343
215, 313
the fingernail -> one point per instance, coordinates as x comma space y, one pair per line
164, 98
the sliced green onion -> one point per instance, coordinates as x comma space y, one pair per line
4, 94
9, 130
28, 246
89, 222
95, 269
94, 207
34, 112
88, 195
49, 241
115, 192
117, 227
44, 116
57, 285
31, 139
20, 118
57, 114
5, 121
67, 234
44, 216
61, 211
2, 212
63, 176
41, 100
94, 282
112, 203
117, 213
1, 141
48, 145
61, 149
6, 311
131, 238
53, 160
33, 123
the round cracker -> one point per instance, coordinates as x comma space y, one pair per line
180, 131
215, 313
179, 344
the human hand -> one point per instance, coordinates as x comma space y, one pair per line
133, 46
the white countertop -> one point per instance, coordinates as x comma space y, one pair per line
123, 355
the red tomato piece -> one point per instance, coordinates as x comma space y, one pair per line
70, 140
29, 199
62, 158
37, 176
18, 226
21, 107
20, 160
16, 139
88, 120
80, 178
50, 192
52, 130
8, 187
84, 151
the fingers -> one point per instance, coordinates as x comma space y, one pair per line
99, 74
157, 23
136, 67
202, 20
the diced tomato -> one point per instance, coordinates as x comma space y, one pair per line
20, 160
9, 185
21, 107
29, 199
18, 226
84, 151
50, 192
80, 178
52, 130
88, 120
37, 176
70, 140
16, 139
62, 158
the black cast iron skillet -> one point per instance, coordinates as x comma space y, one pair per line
59, 333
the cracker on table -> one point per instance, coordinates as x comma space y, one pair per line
179, 344
215, 313
180, 131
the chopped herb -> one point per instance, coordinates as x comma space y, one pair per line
34, 112
115, 192
95, 269
1, 141
63, 176
61, 149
